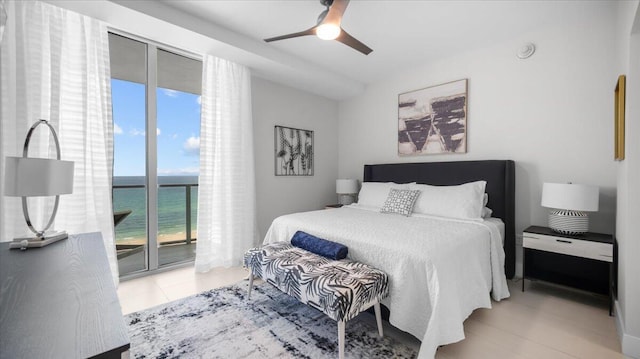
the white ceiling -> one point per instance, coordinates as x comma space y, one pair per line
401, 33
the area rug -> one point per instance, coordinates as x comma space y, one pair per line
222, 323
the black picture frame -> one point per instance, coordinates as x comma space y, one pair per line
293, 151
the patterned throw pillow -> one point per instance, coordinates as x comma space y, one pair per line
400, 201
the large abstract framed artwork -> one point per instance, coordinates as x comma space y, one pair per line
619, 104
433, 120
293, 151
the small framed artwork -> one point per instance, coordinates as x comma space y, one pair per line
619, 103
293, 151
433, 120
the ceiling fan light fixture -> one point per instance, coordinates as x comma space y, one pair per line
328, 31
328, 27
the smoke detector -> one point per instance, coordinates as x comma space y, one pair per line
526, 50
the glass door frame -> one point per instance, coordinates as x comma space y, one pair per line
151, 148
152, 157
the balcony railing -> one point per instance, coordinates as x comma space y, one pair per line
187, 187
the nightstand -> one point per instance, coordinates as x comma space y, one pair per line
583, 261
330, 206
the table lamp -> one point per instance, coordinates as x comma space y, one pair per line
32, 177
346, 190
568, 203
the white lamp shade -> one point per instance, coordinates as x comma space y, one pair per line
577, 197
346, 186
32, 177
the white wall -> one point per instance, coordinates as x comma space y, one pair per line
552, 113
275, 104
628, 226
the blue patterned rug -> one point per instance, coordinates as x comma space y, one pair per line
221, 323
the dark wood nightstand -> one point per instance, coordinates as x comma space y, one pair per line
330, 206
583, 261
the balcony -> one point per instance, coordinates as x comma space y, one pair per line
177, 210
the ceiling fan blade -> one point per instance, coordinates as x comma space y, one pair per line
336, 11
311, 31
352, 42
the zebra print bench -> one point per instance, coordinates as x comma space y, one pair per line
340, 289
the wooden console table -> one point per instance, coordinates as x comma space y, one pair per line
59, 301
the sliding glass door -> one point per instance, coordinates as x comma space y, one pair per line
156, 111
178, 143
128, 96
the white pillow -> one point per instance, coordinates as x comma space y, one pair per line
400, 201
374, 194
486, 211
464, 201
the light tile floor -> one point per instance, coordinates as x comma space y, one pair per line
156, 289
543, 322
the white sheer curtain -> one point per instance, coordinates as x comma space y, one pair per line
54, 65
3, 18
226, 192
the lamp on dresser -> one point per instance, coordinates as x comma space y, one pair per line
568, 204
34, 177
346, 190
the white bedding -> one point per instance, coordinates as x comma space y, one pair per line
440, 269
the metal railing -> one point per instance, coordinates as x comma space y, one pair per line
187, 201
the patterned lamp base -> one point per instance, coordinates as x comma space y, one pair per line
568, 222
346, 199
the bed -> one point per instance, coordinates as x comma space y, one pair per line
440, 269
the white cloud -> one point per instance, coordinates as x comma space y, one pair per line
136, 132
174, 136
192, 145
117, 130
171, 93
199, 100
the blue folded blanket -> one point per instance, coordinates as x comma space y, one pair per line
319, 246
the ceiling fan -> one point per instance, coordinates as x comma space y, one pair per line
328, 27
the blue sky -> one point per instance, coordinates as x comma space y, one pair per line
178, 130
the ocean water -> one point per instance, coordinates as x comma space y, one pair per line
171, 206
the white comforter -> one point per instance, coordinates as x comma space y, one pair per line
440, 270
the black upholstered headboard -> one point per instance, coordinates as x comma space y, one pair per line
501, 186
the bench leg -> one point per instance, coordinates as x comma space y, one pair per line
341, 339
250, 284
376, 308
